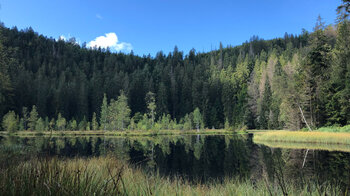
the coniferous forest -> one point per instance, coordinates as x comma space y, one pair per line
261, 84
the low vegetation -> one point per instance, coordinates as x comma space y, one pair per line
303, 137
108, 176
335, 129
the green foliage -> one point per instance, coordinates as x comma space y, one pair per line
197, 119
40, 125
187, 122
104, 113
343, 10
88, 126
338, 105
151, 106
6, 87
25, 118
94, 123
33, 118
52, 124
82, 124
73, 125
10, 122
259, 84
61, 122
122, 111
335, 129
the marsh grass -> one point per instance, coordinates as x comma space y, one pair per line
303, 137
108, 176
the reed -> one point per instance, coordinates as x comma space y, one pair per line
108, 176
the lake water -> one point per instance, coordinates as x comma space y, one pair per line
198, 158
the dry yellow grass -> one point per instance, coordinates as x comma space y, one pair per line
303, 137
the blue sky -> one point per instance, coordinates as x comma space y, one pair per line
149, 26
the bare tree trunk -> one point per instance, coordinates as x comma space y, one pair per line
307, 151
302, 114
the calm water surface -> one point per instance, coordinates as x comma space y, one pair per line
197, 158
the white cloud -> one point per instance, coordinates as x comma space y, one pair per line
110, 40
99, 16
62, 37
69, 38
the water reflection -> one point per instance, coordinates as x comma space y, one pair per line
199, 159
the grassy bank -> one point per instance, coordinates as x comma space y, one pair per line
108, 176
345, 129
303, 137
122, 133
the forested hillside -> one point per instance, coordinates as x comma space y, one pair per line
261, 84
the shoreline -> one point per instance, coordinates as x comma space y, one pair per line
122, 133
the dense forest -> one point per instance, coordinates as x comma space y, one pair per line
283, 83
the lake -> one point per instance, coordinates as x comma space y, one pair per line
197, 158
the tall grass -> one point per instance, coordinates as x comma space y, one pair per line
335, 129
303, 137
108, 176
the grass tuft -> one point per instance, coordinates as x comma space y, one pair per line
108, 176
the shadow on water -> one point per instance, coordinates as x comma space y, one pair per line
199, 159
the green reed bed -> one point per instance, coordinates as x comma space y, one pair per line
108, 176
